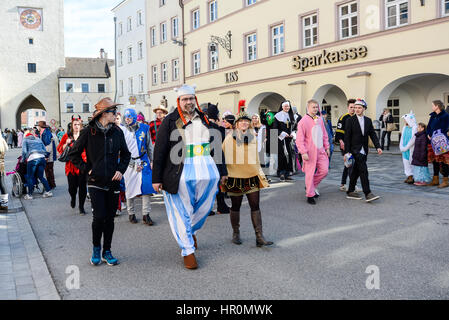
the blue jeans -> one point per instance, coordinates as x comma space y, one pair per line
35, 168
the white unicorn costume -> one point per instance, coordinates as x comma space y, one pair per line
407, 143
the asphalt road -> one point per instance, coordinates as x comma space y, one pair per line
320, 252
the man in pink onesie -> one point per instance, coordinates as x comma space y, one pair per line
313, 145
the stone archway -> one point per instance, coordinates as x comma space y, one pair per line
265, 101
414, 92
30, 102
333, 99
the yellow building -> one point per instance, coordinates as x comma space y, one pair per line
392, 53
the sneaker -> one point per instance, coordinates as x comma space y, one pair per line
82, 212
96, 256
353, 195
342, 187
118, 213
28, 197
212, 213
289, 178
311, 200
147, 220
47, 194
108, 258
132, 218
282, 178
123, 205
371, 197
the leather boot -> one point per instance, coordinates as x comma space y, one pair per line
256, 218
445, 183
410, 180
147, 220
435, 181
4, 203
235, 223
190, 261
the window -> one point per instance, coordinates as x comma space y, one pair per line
251, 47
37, 113
86, 107
196, 19
30, 41
393, 105
163, 32
310, 31
162, 2
69, 107
212, 11
164, 75
120, 88
120, 58
43, 113
130, 86
130, 54
101, 87
348, 20
175, 65
140, 50
139, 18
153, 36
129, 25
445, 7
141, 83
69, 87
196, 63
396, 13
446, 101
120, 29
84, 87
175, 27
277, 36
154, 75
213, 60
250, 2
31, 67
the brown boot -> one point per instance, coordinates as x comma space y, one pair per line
445, 183
256, 218
194, 242
410, 180
435, 181
190, 261
235, 223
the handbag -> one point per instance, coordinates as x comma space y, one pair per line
440, 143
391, 127
64, 155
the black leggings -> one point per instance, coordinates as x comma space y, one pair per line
253, 200
444, 169
78, 182
2, 185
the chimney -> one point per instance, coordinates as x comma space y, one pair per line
101, 53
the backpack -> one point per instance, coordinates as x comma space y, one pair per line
440, 143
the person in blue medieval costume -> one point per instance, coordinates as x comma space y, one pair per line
138, 175
185, 171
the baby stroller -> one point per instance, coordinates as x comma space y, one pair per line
19, 181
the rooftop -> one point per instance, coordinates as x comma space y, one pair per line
86, 68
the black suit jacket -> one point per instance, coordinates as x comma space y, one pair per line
355, 140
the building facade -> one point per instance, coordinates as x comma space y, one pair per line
131, 55
392, 53
32, 39
82, 83
165, 52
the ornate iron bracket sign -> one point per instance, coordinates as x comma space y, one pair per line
224, 42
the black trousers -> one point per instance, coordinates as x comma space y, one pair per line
346, 173
382, 140
440, 167
360, 169
50, 175
78, 182
222, 207
104, 205
2, 184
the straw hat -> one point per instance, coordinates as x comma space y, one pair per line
162, 108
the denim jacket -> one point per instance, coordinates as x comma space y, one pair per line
31, 145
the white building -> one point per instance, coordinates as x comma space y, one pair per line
131, 55
82, 83
165, 51
32, 42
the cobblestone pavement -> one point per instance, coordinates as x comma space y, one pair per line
23, 272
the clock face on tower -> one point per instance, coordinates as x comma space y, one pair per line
31, 19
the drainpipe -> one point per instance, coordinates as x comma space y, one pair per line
115, 62
183, 45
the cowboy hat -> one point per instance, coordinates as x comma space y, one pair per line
162, 108
103, 105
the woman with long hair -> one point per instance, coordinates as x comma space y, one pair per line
77, 180
245, 177
4, 193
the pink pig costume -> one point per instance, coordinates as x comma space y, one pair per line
312, 139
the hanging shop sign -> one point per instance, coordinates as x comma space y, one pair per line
329, 57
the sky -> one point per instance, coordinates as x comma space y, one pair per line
88, 27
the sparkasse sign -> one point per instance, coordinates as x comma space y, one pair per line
329, 57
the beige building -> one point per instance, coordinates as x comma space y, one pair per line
82, 83
392, 53
165, 52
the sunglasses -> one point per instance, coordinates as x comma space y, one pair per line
113, 111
